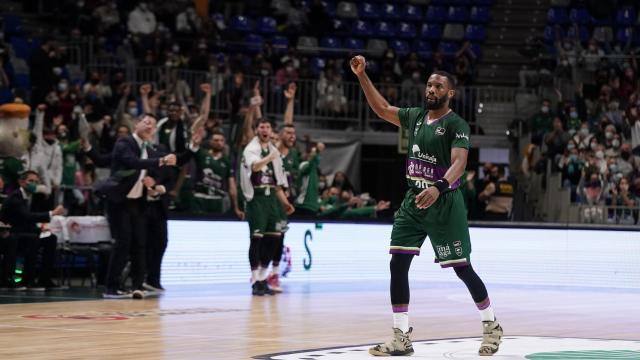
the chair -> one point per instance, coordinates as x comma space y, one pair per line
431, 31
579, 16
436, 14
406, 30
330, 8
390, 11
317, 65
475, 32
240, 23
624, 34
307, 43
626, 16
330, 43
385, 30
361, 28
253, 43
376, 47
423, 48
448, 48
12, 24
339, 26
353, 44
266, 25
457, 14
454, 32
582, 34
557, 16
347, 10
401, 47
479, 15
280, 44
411, 13
369, 11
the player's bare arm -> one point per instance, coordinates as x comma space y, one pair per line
428, 197
376, 101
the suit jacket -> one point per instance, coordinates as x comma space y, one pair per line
165, 176
16, 212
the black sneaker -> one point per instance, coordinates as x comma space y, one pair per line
117, 294
257, 289
267, 289
52, 286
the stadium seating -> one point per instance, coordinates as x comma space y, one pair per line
369, 11
431, 31
254, 43
347, 10
411, 13
626, 17
406, 30
579, 16
385, 29
582, 33
390, 11
423, 48
240, 24
454, 32
266, 25
457, 14
353, 44
361, 28
436, 14
401, 47
475, 33
479, 15
557, 16
280, 43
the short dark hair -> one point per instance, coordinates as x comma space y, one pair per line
174, 103
287, 126
217, 132
151, 115
450, 78
25, 174
263, 120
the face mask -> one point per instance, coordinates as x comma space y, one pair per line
573, 157
572, 132
593, 146
31, 188
608, 135
625, 155
50, 141
573, 114
571, 147
63, 86
133, 111
544, 109
62, 135
624, 188
613, 168
321, 185
615, 143
584, 131
57, 71
600, 154
613, 106
264, 72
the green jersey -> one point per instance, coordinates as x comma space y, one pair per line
69, 164
213, 173
291, 165
308, 185
429, 145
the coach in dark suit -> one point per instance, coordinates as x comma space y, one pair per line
25, 235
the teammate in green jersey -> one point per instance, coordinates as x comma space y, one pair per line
433, 206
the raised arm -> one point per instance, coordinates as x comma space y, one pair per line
39, 123
205, 107
378, 104
290, 95
144, 96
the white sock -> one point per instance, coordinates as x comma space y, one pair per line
487, 314
275, 270
262, 274
254, 276
401, 321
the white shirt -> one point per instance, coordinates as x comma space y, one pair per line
138, 187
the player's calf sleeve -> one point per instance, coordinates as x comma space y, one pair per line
277, 250
266, 250
474, 284
254, 253
399, 286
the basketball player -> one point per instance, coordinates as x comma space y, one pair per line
433, 206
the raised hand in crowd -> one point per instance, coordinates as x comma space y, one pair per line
290, 91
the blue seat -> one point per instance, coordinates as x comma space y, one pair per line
460, 2
406, 30
482, 2
549, 34
624, 34
353, 44
12, 24
582, 34
606, 21
22, 81
22, 47
361, 28
218, 17
437, 14
431, 31
411, 13
339, 26
240, 23
317, 65
369, 11
477, 49
458, 14
401, 47
448, 48
475, 32
479, 15
280, 43
253, 43
330, 8
329, 42
266, 25
385, 29
422, 48
557, 16
626, 16
390, 11
579, 16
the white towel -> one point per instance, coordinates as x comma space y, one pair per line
251, 154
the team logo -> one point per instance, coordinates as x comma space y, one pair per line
457, 243
462, 136
459, 251
440, 131
513, 347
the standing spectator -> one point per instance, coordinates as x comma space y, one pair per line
188, 22
142, 20
308, 200
541, 122
620, 197
107, 16
286, 75
556, 140
41, 71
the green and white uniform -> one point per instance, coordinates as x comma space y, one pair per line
291, 164
428, 159
211, 189
307, 184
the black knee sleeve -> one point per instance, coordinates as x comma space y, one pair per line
399, 287
277, 250
266, 250
473, 282
254, 253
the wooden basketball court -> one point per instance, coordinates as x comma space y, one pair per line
225, 322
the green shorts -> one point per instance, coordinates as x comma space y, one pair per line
263, 215
445, 223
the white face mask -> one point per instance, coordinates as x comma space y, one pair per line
584, 131
615, 143
133, 111
544, 109
600, 154
573, 114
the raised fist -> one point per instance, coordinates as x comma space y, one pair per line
358, 64
290, 91
145, 89
205, 87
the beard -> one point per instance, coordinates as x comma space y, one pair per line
438, 103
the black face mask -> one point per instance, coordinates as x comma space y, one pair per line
50, 141
89, 167
625, 155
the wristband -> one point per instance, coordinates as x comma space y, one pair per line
441, 185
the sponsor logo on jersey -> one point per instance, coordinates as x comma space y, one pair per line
440, 130
462, 136
420, 155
